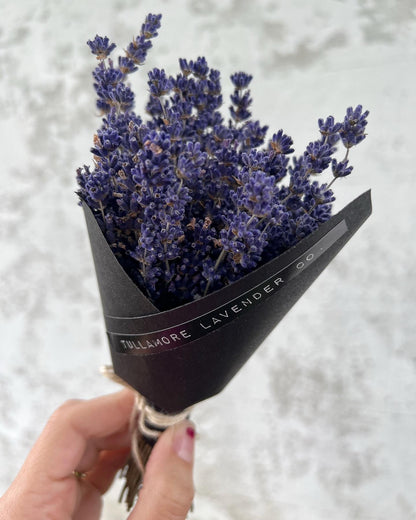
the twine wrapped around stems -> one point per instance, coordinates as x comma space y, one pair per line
146, 426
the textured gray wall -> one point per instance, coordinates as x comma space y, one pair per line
321, 422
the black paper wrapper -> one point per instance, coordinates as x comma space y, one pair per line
179, 357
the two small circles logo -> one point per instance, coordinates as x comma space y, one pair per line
300, 265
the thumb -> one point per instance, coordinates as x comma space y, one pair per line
168, 489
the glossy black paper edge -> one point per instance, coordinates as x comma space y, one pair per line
170, 378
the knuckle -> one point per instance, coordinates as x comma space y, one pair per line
174, 503
65, 409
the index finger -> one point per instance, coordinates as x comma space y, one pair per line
64, 441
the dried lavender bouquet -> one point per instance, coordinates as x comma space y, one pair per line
191, 203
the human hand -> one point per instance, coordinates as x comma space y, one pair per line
92, 437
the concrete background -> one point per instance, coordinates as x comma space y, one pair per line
321, 422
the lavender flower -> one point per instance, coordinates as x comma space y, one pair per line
352, 130
101, 47
240, 98
241, 80
187, 200
137, 50
281, 143
329, 130
159, 83
341, 169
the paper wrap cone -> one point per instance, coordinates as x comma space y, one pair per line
179, 357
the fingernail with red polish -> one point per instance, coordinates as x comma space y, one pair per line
184, 442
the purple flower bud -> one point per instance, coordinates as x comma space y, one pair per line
329, 130
352, 131
159, 83
281, 143
151, 25
101, 47
341, 169
241, 80
318, 156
